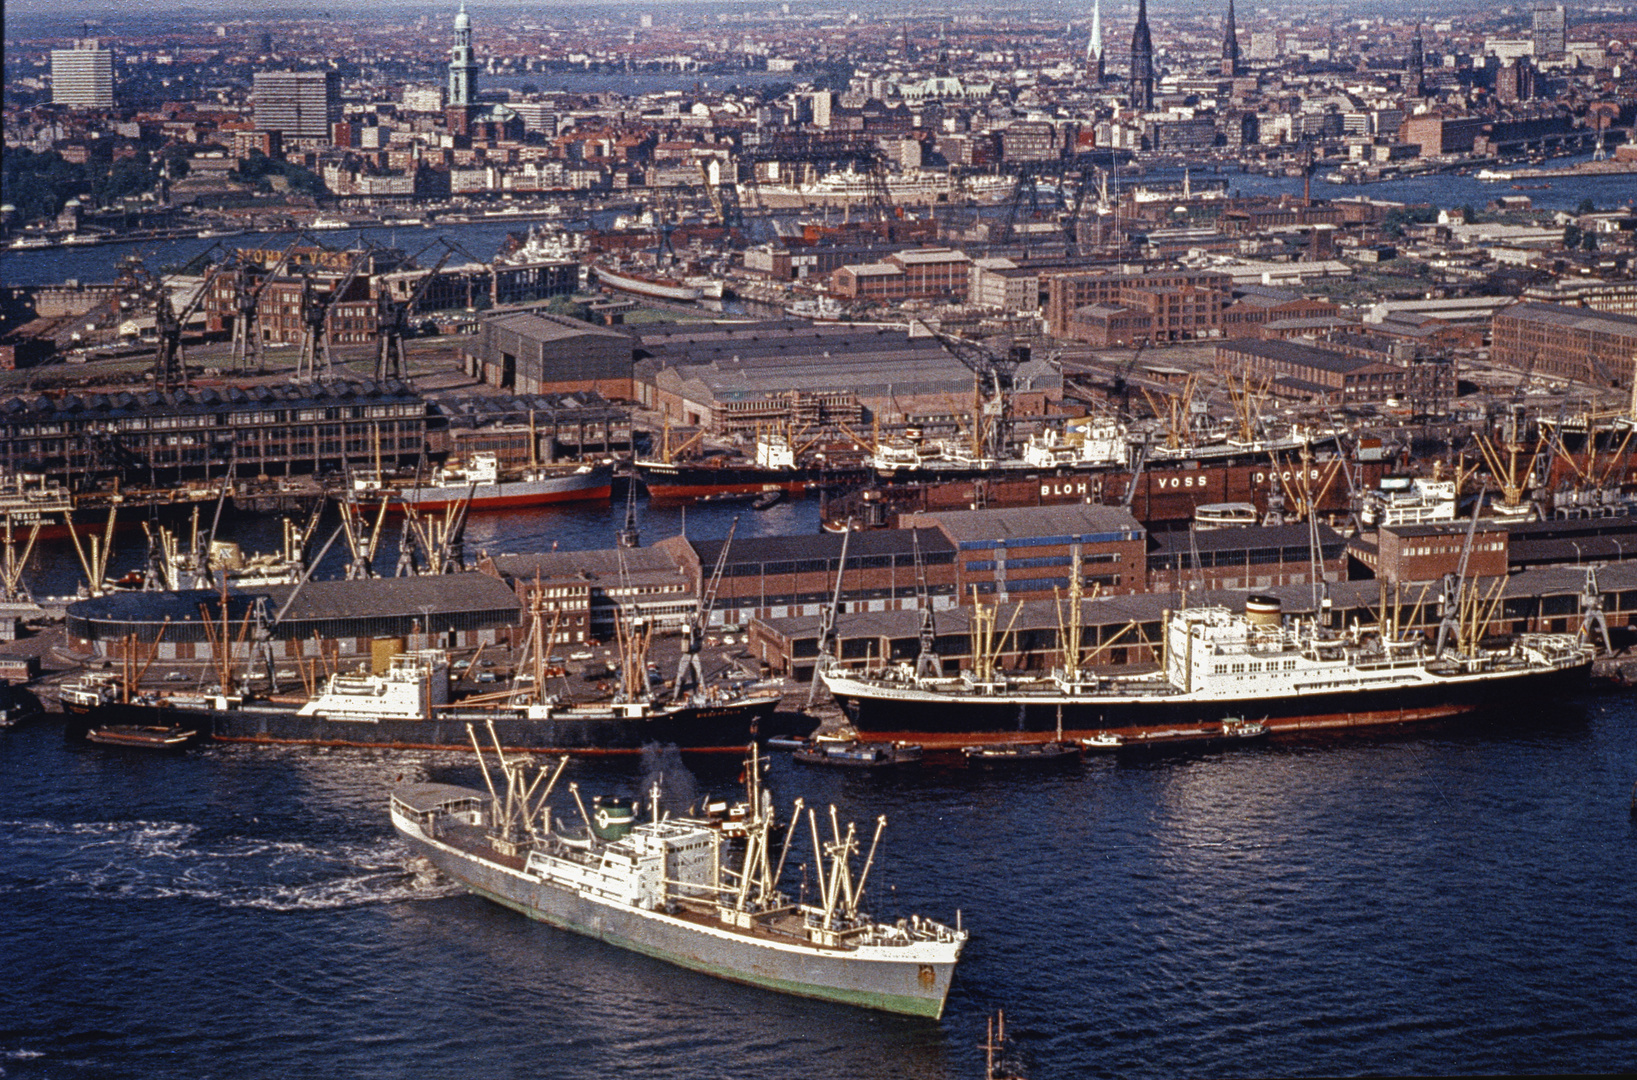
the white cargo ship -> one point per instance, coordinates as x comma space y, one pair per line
668, 888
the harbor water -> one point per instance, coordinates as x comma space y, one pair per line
1450, 899
1453, 899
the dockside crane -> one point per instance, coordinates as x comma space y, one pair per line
690, 673
170, 369
393, 321
247, 344
315, 321
996, 378
827, 621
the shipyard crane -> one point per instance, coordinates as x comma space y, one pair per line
315, 314
827, 620
723, 194
247, 293
393, 321
264, 625
1121, 386
996, 377
827, 151
170, 370
689, 671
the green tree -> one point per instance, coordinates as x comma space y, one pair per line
570, 307
39, 184
1586, 206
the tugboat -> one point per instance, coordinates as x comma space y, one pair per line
665, 889
851, 754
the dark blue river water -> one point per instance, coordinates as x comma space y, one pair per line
1452, 900
483, 239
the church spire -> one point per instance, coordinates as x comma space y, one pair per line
462, 64
1094, 49
1142, 62
1415, 74
1231, 65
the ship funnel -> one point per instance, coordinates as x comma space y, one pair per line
1263, 610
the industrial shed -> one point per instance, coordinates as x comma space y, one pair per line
335, 617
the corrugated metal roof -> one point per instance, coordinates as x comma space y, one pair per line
1238, 539
823, 546
1030, 522
1575, 318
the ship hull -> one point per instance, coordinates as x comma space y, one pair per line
672, 483
905, 986
595, 485
1163, 493
949, 720
659, 290
717, 728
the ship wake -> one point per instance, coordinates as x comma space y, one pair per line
147, 860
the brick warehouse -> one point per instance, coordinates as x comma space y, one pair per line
156, 436
1565, 342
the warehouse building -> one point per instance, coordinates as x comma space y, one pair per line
1566, 342
730, 377
157, 436
327, 618
531, 352
1254, 557
1310, 373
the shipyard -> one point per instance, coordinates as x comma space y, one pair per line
798, 540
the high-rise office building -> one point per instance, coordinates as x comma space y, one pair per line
1551, 32
303, 106
1415, 67
83, 76
1142, 62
